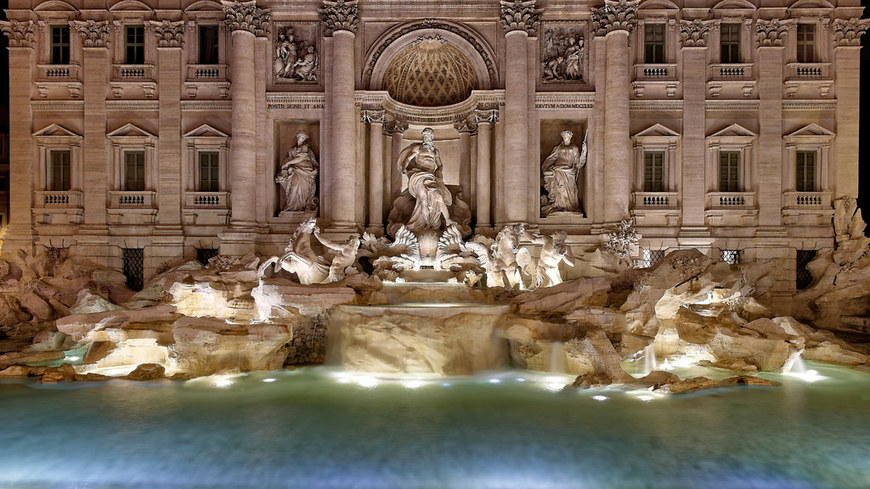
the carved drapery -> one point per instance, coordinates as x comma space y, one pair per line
94, 34
339, 16
693, 34
168, 34
614, 16
520, 15
247, 16
20, 34
771, 32
848, 32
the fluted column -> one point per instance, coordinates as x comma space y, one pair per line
396, 130
615, 21
340, 20
375, 120
485, 119
770, 39
466, 127
19, 234
519, 20
693, 36
246, 22
847, 54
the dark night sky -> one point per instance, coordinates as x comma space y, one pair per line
864, 175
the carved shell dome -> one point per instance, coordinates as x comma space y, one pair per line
430, 73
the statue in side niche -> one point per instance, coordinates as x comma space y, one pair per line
561, 175
554, 251
298, 177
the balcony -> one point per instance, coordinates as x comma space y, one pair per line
807, 71
655, 200
58, 198
206, 73
807, 208
132, 207
731, 209
207, 208
731, 80
133, 73
655, 71
58, 73
655, 80
807, 200
206, 200
56, 207
118, 199
731, 200
54, 81
655, 208
808, 80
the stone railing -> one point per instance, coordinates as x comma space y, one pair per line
206, 199
124, 198
730, 200
655, 200
59, 198
808, 200
57, 72
808, 71
731, 71
206, 72
655, 71
133, 72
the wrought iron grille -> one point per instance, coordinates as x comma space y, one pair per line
134, 267
203, 255
803, 277
651, 258
731, 256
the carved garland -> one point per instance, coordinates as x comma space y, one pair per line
849, 32
339, 16
20, 34
94, 34
693, 34
520, 15
169, 34
430, 24
614, 16
246, 16
771, 32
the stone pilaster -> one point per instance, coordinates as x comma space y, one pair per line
520, 20
483, 192
466, 127
19, 234
340, 19
246, 22
615, 21
847, 39
375, 121
395, 129
693, 37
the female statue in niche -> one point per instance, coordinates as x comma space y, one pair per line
298, 176
562, 178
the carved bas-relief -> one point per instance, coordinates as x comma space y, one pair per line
562, 179
331, 264
296, 56
563, 56
298, 177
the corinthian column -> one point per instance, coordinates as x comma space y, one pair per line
847, 54
375, 120
395, 129
466, 127
485, 120
519, 19
246, 22
615, 21
340, 20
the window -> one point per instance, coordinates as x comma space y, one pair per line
208, 45
654, 43
209, 167
803, 277
805, 164
729, 43
134, 267
806, 40
651, 257
729, 171
134, 171
59, 45
134, 47
732, 257
653, 171
59, 177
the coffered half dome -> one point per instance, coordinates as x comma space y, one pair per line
430, 72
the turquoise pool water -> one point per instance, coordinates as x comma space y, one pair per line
317, 428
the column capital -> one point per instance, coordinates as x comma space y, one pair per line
94, 34
614, 16
848, 32
694, 33
520, 15
771, 32
339, 15
20, 34
169, 34
467, 125
394, 126
246, 16
373, 116
486, 116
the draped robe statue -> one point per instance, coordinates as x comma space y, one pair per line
562, 178
298, 176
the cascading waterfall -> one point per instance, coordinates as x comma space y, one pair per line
649, 359
557, 357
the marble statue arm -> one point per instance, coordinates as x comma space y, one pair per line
569, 257
329, 244
551, 160
439, 168
406, 156
583, 152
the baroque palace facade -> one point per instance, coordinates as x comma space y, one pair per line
144, 131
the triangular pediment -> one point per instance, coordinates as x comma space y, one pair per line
55, 130
734, 130
657, 130
811, 130
130, 130
206, 131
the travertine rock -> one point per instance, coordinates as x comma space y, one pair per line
147, 371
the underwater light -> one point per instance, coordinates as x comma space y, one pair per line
412, 384
600, 398
367, 381
270, 379
223, 383
494, 381
807, 376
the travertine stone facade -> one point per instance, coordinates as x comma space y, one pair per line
162, 126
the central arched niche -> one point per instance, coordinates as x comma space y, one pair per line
430, 72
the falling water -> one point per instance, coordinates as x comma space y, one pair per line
649, 359
795, 364
557, 357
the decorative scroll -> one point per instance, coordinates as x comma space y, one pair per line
520, 15
169, 34
614, 16
246, 16
771, 32
693, 34
94, 34
20, 34
339, 15
848, 32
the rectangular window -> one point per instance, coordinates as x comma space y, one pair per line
653, 171
731, 256
805, 164
730, 43
134, 171
654, 43
729, 171
134, 267
134, 53
806, 40
59, 45
208, 45
209, 180
59, 173
803, 277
